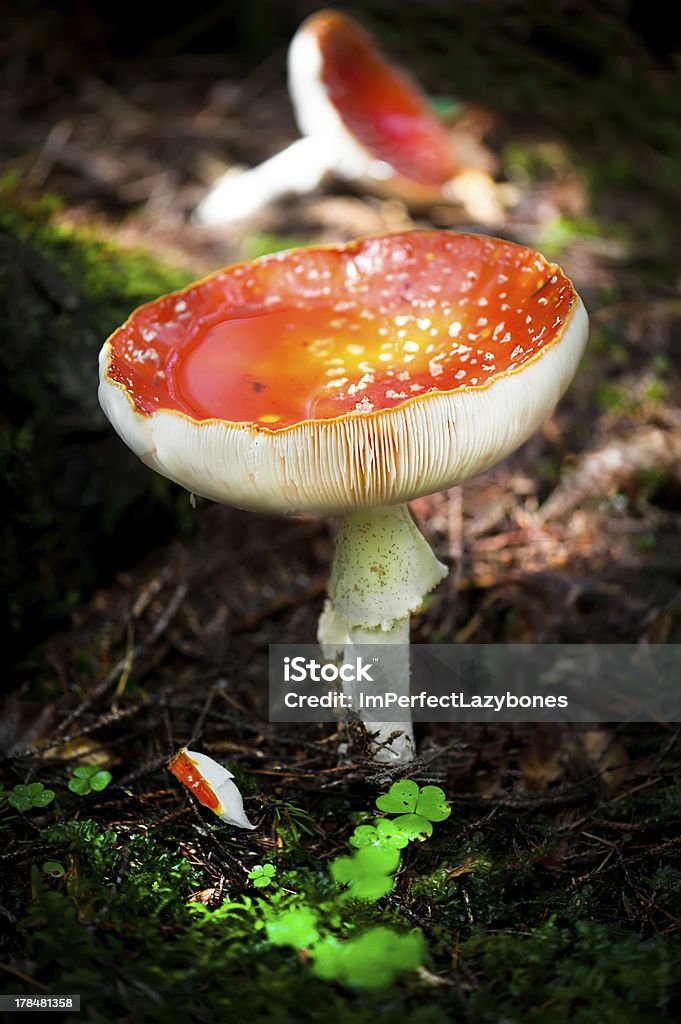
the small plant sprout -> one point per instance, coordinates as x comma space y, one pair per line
372, 961
262, 875
54, 868
25, 798
347, 380
368, 873
383, 833
362, 120
89, 778
416, 808
296, 927
377, 956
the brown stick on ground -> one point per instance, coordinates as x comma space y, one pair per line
615, 466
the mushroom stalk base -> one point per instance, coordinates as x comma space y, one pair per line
382, 570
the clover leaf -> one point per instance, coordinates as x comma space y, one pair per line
400, 799
367, 873
297, 928
432, 804
383, 833
262, 875
413, 826
32, 795
371, 961
89, 778
416, 808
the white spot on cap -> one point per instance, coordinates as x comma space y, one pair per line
364, 406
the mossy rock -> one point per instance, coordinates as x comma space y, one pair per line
74, 498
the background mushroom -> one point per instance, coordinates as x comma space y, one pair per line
362, 120
346, 381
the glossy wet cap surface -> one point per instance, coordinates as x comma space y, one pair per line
322, 333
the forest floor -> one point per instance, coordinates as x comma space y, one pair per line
553, 890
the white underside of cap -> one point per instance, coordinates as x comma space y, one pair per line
362, 460
318, 118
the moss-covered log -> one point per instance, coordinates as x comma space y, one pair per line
70, 493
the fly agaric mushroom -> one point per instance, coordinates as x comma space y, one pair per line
347, 380
362, 119
211, 784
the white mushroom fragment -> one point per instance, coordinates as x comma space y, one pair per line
211, 784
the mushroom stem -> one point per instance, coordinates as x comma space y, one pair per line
382, 570
298, 169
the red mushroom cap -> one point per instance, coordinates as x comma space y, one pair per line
329, 378
342, 86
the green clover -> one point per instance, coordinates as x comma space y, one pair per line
262, 875
414, 827
371, 961
383, 833
54, 868
367, 873
89, 778
401, 798
416, 807
32, 795
297, 928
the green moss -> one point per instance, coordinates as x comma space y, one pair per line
214, 964
518, 926
71, 492
590, 973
